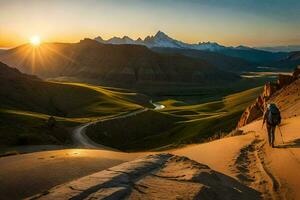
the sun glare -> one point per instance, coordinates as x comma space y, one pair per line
35, 40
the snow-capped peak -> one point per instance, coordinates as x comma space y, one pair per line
161, 39
161, 35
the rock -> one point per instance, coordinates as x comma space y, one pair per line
253, 112
161, 176
269, 89
284, 80
256, 110
296, 72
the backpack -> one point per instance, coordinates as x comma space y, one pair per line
274, 117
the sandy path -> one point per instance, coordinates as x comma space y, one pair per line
283, 162
219, 155
272, 171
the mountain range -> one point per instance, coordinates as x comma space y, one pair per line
156, 59
162, 40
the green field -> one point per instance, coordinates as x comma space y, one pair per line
208, 119
132, 133
193, 113
181, 122
24, 113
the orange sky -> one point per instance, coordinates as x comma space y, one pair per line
228, 22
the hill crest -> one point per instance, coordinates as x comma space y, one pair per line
111, 63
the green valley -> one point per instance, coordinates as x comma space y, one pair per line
177, 124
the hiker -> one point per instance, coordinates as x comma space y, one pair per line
51, 122
273, 118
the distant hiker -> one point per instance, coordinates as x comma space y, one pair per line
273, 118
51, 123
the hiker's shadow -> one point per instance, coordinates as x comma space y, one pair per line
292, 144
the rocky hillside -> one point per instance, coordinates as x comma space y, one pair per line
12, 74
89, 59
285, 93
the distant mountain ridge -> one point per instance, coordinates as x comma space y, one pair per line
162, 40
221, 61
286, 48
291, 61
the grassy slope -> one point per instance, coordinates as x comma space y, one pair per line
25, 111
188, 118
179, 123
207, 119
131, 132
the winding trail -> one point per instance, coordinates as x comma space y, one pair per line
81, 140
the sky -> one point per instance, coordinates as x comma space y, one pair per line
228, 22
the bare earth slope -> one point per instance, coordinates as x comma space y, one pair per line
25, 175
154, 177
67, 165
282, 162
244, 158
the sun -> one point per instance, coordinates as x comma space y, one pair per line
35, 40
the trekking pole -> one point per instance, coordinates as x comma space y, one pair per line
281, 134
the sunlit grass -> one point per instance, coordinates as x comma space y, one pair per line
24, 121
46, 117
117, 97
107, 104
206, 119
191, 123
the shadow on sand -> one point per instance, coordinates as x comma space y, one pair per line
292, 144
235, 191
